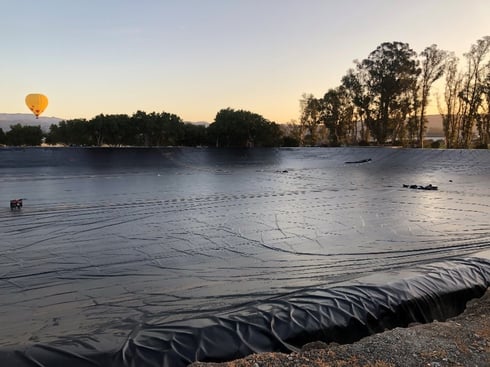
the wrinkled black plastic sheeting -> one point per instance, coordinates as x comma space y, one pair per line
340, 314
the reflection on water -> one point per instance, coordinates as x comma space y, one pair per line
110, 238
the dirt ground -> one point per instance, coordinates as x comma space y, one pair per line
461, 341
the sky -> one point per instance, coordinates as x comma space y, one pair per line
193, 58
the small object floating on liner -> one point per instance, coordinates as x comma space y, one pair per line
419, 187
361, 161
15, 204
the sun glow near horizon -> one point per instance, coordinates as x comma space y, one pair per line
118, 57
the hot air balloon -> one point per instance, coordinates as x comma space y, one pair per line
37, 103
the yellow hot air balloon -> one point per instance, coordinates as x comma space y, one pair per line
37, 103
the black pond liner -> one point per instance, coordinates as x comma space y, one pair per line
341, 314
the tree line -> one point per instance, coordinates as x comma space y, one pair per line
231, 128
383, 99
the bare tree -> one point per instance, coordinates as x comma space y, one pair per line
451, 112
471, 93
483, 120
432, 69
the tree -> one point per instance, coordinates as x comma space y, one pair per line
100, 129
2, 136
483, 121
140, 121
110, 129
241, 128
19, 135
432, 69
265, 133
194, 135
337, 116
70, 132
310, 118
171, 129
451, 113
128, 131
472, 91
158, 129
392, 76
292, 134
355, 83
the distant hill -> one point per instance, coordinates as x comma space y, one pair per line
26, 119
203, 123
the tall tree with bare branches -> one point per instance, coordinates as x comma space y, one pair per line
471, 93
432, 69
483, 121
451, 112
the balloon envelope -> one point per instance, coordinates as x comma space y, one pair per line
37, 103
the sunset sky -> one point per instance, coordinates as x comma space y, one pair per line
195, 57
